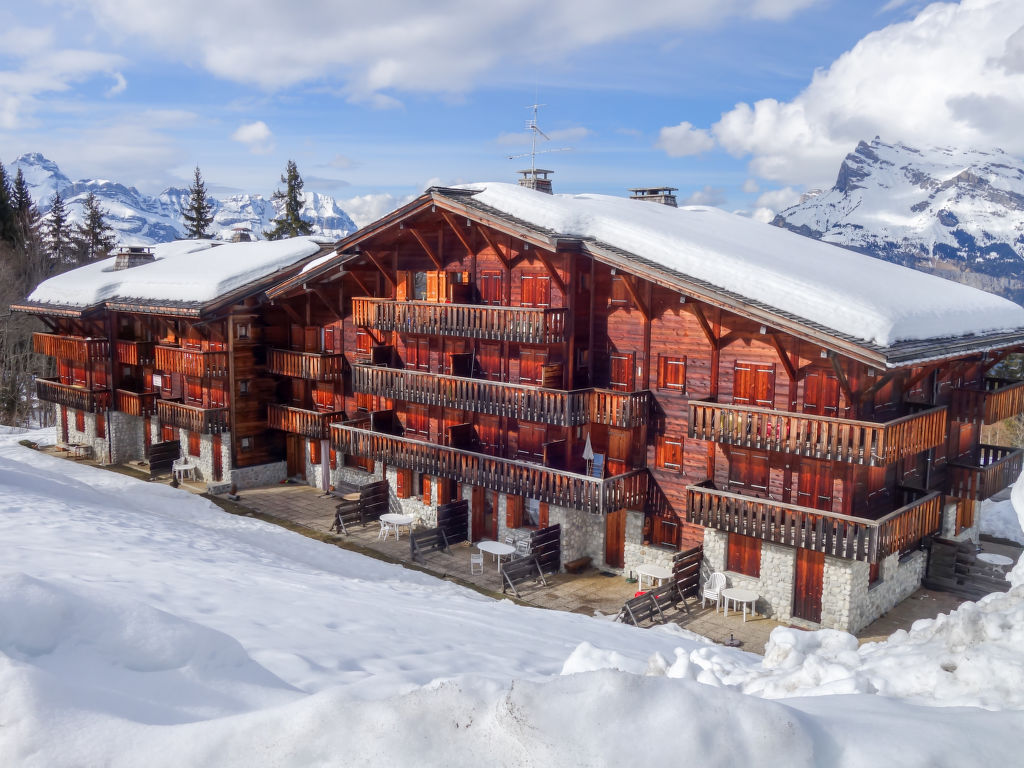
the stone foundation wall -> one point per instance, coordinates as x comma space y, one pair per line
898, 580
636, 553
127, 437
99, 446
353, 476
258, 476
204, 461
425, 514
315, 472
582, 535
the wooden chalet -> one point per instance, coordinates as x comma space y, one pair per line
136, 366
470, 351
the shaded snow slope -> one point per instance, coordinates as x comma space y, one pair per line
140, 625
853, 294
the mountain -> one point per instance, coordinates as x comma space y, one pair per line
142, 219
951, 212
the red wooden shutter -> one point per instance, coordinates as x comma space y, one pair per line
101, 425
531, 362
621, 371
425, 488
333, 455
314, 451
193, 443
490, 288
403, 483
744, 555
671, 372
513, 511
168, 433
80, 421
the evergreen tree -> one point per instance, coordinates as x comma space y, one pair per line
94, 238
198, 214
57, 233
25, 212
289, 223
8, 220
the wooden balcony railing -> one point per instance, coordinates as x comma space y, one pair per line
838, 535
996, 400
818, 437
136, 403
192, 362
306, 365
311, 424
207, 421
79, 398
554, 486
526, 325
518, 401
135, 352
988, 472
70, 347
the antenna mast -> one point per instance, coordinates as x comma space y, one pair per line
534, 177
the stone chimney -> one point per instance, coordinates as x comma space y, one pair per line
661, 195
536, 178
132, 256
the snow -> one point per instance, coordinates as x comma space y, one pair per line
848, 292
183, 271
318, 261
141, 625
999, 519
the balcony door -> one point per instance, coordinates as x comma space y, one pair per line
807, 583
615, 538
622, 367
490, 288
536, 291
754, 384
821, 394
815, 485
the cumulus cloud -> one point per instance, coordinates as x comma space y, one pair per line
364, 209
256, 136
953, 74
708, 195
750, 186
777, 199
683, 139
401, 44
119, 85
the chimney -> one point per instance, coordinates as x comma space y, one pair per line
536, 178
661, 195
132, 256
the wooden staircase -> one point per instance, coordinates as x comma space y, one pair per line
953, 567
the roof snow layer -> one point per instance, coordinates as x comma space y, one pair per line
183, 271
857, 295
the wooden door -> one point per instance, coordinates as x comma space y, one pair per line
821, 394
815, 484
810, 572
489, 433
489, 361
490, 288
621, 369
615, 538
295, 453
531, 364
754, 384
218, 461
536, 291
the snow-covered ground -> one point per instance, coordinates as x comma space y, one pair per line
141, 625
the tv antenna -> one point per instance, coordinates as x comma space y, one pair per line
535, 131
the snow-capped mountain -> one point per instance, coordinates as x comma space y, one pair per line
950, 212
142, 219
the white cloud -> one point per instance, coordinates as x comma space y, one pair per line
708, 195
954, 74
683, 139
119, 85
777, 199
750, 186
365, 209
764, 215
256, 136
401, 44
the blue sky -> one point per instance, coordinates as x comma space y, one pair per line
739, 103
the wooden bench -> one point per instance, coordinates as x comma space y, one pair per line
430, 540
578, 565
639, 609
669, 595
372, 503
516, 572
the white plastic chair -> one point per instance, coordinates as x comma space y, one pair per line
712, 589
475, 559
522, 548
384, 528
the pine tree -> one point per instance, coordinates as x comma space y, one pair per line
25, 212
289, 223
8, 221
198, 214
94, 238
57, 234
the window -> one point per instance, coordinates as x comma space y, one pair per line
364, 343
218, 395
314, 451
425, 488
670, 454
417, 421
243, 387
620, 294
193, 392
403, 483
80, 421
101, 425
749, 470
245, 444
744, 555
242, 330
417, 352
531, 512
193, 443
536, 291
754, 384
531, 362
168, 433
672, 373
531, 442
620, 376
490, 288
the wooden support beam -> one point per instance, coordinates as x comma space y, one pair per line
844, 383
360, 283
426, 247
783, 357
704, 324
884, 379
727, 339
920, 375
458, 232
327, 303
380, 266
291, 313
494, 246
999, 357
634, 294
555, 277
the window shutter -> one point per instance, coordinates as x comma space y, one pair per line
80, 421
425, 485
314, 451
193, 443
403, 483
513, 511
543, 522
101, 425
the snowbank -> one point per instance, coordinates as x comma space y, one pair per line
183, 271
853, 294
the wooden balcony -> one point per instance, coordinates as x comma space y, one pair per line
554, 486
995, 400
79, 398
136, 403
992, 469
192, 362
311, 424
207, 421
838, 535
74, 348
306, 365
818, 437
526, 325
517, 401
135, 352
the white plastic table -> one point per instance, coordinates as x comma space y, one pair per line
395, 521
496, 548
652, 571
182, 467
999, 561
741, 596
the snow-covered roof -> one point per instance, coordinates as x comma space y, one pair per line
853, 294
184, 271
